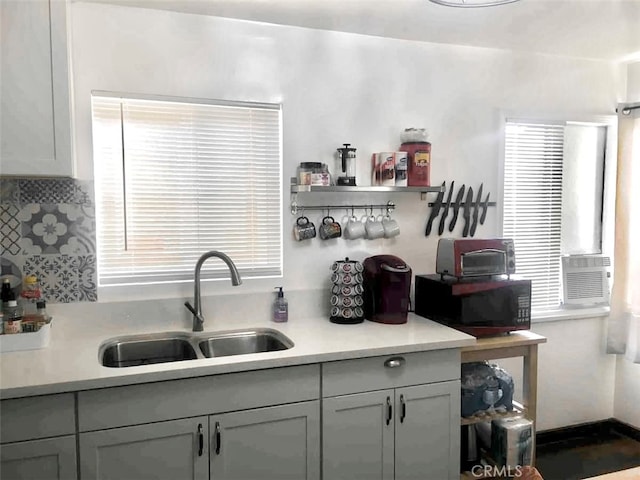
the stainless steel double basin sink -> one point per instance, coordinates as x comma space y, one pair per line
166, 347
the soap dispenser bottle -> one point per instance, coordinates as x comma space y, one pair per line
280, 307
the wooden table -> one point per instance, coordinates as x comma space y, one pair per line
521, 343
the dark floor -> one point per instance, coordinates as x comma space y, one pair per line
587, 452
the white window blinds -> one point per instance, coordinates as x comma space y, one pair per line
533, 206
175, 179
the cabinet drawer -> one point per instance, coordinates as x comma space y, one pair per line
389, 371
153, 402
37, 417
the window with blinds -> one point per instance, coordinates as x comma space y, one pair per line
176, 178
533, 206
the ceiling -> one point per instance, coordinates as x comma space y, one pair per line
598, 29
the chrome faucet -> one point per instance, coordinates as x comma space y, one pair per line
198, 320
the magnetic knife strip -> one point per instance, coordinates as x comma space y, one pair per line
474, 211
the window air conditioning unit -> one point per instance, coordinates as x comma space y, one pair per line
585, 279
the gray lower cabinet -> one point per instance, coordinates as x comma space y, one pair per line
403, 434
172, 450
392, 417
272, 443
279, 443
358, 436
427, 432
47, 459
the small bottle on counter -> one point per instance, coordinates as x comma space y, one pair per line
7, 293
32, 322
280, 308
42, 317
30, 294
12, 318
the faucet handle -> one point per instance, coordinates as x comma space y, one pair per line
193, 311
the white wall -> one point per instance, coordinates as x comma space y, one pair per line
337, 88
633, 82
575, 374
627, 392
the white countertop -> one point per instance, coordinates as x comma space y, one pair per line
70, 362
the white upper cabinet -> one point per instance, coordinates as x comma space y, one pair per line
35, 110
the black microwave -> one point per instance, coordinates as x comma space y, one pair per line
480, 307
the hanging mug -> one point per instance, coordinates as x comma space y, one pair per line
304, 229
391, 227
374, 228
330, 228
355, 228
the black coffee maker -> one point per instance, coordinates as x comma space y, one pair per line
387, 286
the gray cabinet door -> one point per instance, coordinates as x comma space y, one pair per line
165, 450
274, 443
427, 432
35, 118
358, 436
49, 459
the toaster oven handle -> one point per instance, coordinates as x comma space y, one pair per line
395, 362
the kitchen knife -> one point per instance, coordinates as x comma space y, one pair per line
446, 210
435, 210
485, 206
456, 208
466, 213
476, 211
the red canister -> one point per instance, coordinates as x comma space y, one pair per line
414, 142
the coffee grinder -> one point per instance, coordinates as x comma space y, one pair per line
347, 156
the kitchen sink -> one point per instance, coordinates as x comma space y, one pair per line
248, 341
147, 349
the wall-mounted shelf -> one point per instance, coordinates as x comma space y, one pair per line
296, 189
364, 189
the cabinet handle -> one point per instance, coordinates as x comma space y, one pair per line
218, 439
389, 410
403, 409
395, 362
200, 440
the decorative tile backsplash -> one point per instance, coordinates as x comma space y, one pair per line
48, 229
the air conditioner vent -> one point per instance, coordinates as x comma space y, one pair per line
585, 279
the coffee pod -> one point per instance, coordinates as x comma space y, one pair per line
346, 312
344, 278
346, 290
335, 312
347, 302
358, 300
358, 312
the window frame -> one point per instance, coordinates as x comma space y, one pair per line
183, 287
610, 121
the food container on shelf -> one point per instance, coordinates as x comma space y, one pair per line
414, 142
